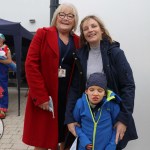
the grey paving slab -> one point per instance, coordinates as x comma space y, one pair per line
13, 124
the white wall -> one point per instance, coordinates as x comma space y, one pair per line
24, 10
128, 22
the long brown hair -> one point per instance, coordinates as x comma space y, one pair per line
101, 25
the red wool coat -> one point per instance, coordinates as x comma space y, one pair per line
40, 128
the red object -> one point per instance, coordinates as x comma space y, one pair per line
1, 92
2, 115
40, 128
6, 49
4, 110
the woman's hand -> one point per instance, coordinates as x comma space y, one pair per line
71, 128
45, 106
120, 131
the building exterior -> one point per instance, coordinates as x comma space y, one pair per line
128, 22
26, 12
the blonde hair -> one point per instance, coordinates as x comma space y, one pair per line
101, 25
53, 23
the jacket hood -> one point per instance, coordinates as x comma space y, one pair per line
114, 44
112, 96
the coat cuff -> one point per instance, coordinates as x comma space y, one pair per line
69, 119
39, 100
124, 118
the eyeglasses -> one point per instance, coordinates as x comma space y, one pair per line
62, 15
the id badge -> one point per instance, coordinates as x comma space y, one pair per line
61, 73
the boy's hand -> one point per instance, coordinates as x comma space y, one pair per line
89, 146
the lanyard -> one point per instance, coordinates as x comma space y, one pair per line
67, 50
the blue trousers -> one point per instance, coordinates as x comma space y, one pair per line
4, 85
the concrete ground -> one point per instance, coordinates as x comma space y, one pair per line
13, 124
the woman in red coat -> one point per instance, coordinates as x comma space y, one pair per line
49, 65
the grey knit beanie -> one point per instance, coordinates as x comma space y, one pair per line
97, 79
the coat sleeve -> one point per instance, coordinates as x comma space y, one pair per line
115, 109
111, 145
83, 139
72, 97
33, 70
76, 111
126, 86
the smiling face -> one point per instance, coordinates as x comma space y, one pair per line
92, 32
65, 20
95, 94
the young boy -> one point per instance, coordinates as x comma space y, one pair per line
96, 112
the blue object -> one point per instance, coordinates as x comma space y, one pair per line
12, 65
